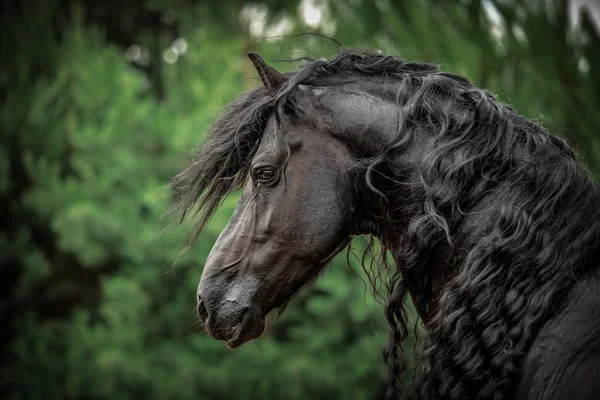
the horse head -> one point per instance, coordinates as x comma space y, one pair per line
299, 206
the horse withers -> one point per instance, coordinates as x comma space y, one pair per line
493, 225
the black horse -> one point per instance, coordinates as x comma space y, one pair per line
492, 224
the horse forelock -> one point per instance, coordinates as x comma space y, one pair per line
220, 164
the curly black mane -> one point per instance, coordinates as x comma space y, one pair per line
502, 205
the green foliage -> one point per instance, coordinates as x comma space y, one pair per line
96, 301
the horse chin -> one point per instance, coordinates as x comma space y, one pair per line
251, 327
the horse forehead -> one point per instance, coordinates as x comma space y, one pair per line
292, 135
270, 140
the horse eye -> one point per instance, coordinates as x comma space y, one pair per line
265, 175
288, 109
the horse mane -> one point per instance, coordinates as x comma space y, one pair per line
543, 231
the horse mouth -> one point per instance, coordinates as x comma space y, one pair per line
236, 331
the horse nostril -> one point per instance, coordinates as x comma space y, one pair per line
202, 311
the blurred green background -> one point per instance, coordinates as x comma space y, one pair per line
102, 103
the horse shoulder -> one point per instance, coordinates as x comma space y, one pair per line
564, 360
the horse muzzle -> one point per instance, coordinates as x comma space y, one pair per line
230, 321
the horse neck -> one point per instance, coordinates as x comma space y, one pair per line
428, 258
392, 197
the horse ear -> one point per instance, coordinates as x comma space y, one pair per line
270, 77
